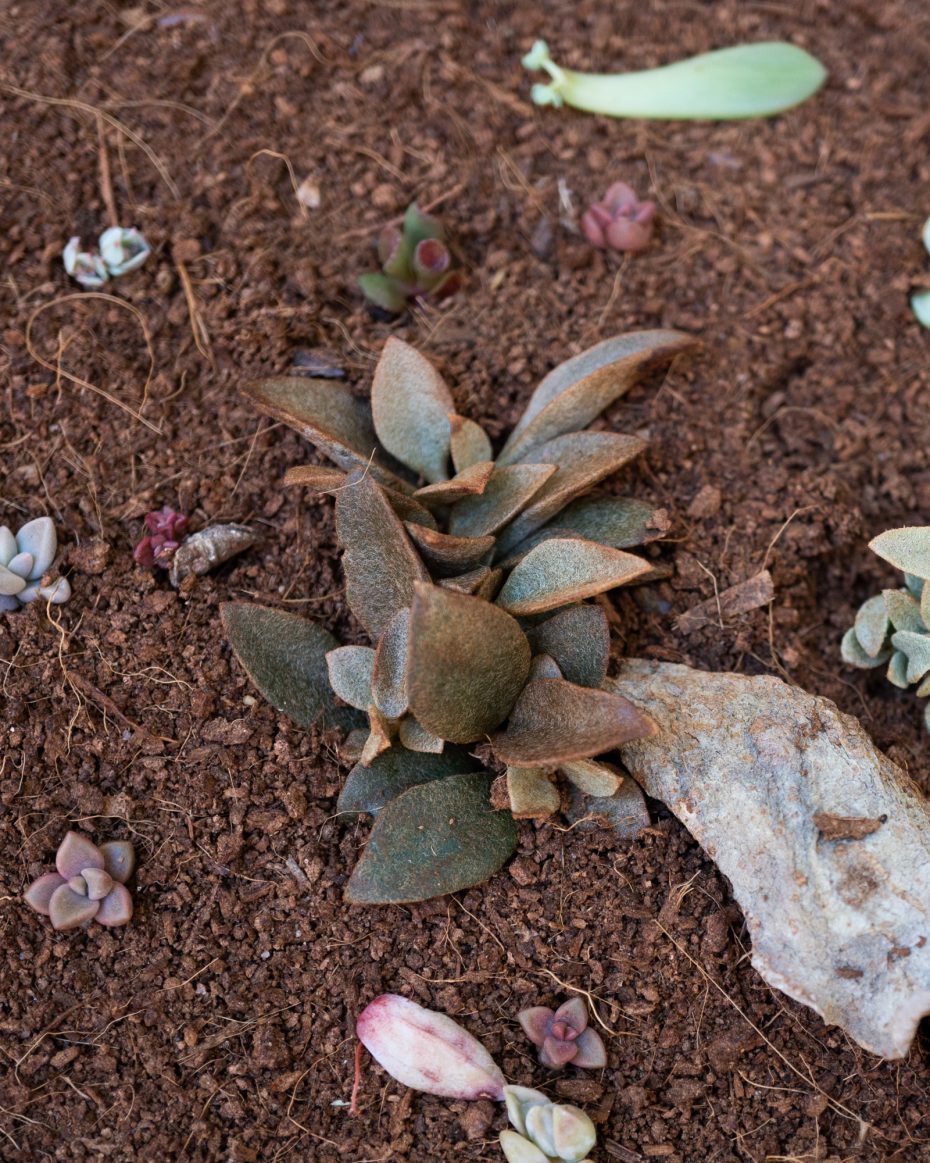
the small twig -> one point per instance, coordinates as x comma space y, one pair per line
357, 1081
106, 184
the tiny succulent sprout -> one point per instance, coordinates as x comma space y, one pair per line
415, 264
84, 266
563, 1035
544, 1130
157, 548
619, 221
25, 561
89, 884
123, 250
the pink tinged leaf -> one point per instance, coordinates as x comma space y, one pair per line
592, 1054
574, 1013
556, 1052
625, 235
39, 893
428, 1051
75, 853
68, 909
116, 907
97, 883
119, 859
78, 884
535, 1022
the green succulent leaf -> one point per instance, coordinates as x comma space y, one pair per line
554, 721
562, 571
419, 225
923, 690
435, 838
350, 670
381, 566
625, 811
415, 736
410, 405
468, 443
579, 640
469, 482
907, 549
915, 585
384, 291
447, 554
508, 491
579, 389
368, 789
482, 582
594, 779
618, 522
897, 670
389, 670
903, 611
925, 607
872, 625
468, 662
853, 655
285, 656
533, 795
917, 649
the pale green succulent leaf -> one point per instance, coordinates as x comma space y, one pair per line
508, 491
350, 670
915, 585
907, 548
410, 405
415, 737
468, 442
853, 655
917, 649
533, 795
592, 778
389, 669
897, 670
903, 611
618, 522
561, 571
872, 625
384, 291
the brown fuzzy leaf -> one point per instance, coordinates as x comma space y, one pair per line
380, 564
411, 404
469, 482
544, 666
482, 582
508, 491
389, 672
444, 553
618, 522
579, 389
554, 721
469, 443
579, 641
562, 570
349, 669
532, 794
625, 811
468, 662
319, 477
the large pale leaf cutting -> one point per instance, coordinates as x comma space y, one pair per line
411, 405
285, 656
368, 789
565, 570
468, 661
435, 838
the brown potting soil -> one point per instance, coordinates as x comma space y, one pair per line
219, 1024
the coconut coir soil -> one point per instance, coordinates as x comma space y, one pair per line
219, 1024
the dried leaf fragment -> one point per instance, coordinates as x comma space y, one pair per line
747, 595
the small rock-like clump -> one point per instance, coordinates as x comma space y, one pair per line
25, 559
89, 884
563, 1035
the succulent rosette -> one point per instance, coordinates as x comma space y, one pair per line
88, 884
25, 559
563, 1035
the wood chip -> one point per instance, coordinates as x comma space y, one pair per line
739, 599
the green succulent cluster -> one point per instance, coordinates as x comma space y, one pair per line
470, 575
415, 264
893, 627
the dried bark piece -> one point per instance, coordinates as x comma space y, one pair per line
826, 916
746, 595
561, 571
846, 827
410, 405
208, 548
579, 640
507, 492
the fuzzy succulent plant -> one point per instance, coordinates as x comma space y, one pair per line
415, 264
89, 884
470, 573
25, 559
893, 627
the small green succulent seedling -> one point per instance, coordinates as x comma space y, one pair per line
563, 1035
747, 80
471, 575
25, 559
415, 264
89, 884
893, 627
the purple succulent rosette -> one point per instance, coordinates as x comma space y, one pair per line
563, 1035
88, 886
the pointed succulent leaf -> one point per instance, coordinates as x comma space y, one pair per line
579, 389
11, 583
562, 571
555, 1052
907, 549
618, 522
8, 546
285, 656
872, 625
625, 811
119, 859
468, 662
22, 564
419, 225
574, 1013
433, 839
591, 1053
349, 669
903, 612
583, 459
470, 582
115, 908
470, 482
532, 794
593, 779
384, 291
446, 554
389, 673
917, 649
408, 509
381, 732
368, 789
469, 443
319, 477
415, 737
923, 690
544, 666
68, 909
410, 405
97, 883
427, 1051
508, 491
519, 1099
554, 721
380, 564
39, 893
75, 853
579, 641
914, 584
569, 1130
853, 655
535, 1022
517, 1149
39, 538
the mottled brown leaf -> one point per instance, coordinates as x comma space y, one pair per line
746, 595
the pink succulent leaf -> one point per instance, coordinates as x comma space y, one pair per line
593, 228
427, 1051
78, 884
75, 853
119, 859
627, 236
166, 522
97, 883
68, 909
619, 194
556, 1053
574, 1013
619, 220
116, 907
144, 553
592, 1053
39, 893
535, 1022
